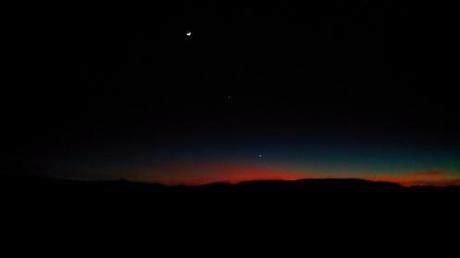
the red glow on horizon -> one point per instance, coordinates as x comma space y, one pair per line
205, 173
430, 178
214, 172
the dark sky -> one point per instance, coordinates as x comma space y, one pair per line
272, 90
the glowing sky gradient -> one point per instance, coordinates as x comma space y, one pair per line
197, 93
205, 173
195, 164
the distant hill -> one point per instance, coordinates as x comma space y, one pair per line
316, 202
40, 185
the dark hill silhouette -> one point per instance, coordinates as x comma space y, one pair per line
318, 203
36, 186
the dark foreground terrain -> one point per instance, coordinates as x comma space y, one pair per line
121, 212
299, 194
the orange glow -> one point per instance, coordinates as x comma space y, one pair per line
433, 178
204, 173
212, 172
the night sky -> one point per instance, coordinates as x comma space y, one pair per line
197, 92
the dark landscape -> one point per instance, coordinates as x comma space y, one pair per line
124, 212
302, 191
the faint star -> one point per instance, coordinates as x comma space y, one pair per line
260, 156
